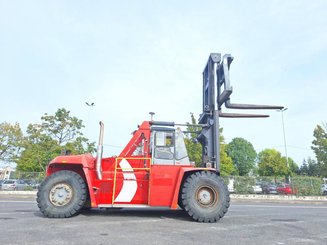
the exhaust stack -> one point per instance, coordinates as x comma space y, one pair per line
99, 152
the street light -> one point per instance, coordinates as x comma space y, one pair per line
285, 147
90, 105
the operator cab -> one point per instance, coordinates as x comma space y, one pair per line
168, 146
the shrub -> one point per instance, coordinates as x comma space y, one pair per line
28, 188
243, 185
307, 186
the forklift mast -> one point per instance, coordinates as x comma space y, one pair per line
216, 93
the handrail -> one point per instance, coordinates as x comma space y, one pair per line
126, 170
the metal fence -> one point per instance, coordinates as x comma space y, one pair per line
22, 181
37, 176
296, 185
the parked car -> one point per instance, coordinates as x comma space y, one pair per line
14, 184
324, 189
34, 184
269, 188
31, 182
28, 181
257, 188
285, 189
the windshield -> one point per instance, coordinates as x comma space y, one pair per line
9, 182
169, 147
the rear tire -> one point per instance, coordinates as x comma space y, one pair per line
180, 202
205, 197
62, 194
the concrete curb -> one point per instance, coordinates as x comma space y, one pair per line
279, 197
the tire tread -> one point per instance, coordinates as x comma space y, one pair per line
188, 198
48, 209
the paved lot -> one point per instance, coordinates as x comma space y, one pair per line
246, 223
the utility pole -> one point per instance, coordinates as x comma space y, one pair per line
285, 146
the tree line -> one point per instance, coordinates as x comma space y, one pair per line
62, 132
42, 142
240, 158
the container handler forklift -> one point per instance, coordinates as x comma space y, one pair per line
153, 170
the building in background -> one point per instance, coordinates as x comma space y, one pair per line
5, 172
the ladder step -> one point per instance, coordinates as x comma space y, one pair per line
123, 206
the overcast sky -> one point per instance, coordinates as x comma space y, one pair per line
133, 57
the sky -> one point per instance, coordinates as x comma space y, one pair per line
133, 57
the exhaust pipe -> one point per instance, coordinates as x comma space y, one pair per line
99, 152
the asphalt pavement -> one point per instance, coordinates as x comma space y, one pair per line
246, 222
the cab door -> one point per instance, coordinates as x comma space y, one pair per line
131, 180
168, 147
163, 146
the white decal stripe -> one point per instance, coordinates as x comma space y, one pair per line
129, 184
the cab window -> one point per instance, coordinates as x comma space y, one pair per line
164, 145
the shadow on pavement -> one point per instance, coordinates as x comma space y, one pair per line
136, 212
131, 212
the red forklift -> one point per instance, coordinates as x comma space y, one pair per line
153, 170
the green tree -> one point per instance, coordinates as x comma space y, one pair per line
271, 163
66, 130
293, 167
243, 155
39, 149
10, 139
61, 126
304, 169
194, 149
58, 133
320, 148
313, 167
226, 163
309, 167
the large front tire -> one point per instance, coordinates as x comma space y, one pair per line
62, 194
205, 196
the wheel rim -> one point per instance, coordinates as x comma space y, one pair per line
206, 196
61, 194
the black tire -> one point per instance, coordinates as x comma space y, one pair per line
62, 194
180, 201
195, 192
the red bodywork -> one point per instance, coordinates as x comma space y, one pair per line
286, 189
129, 179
